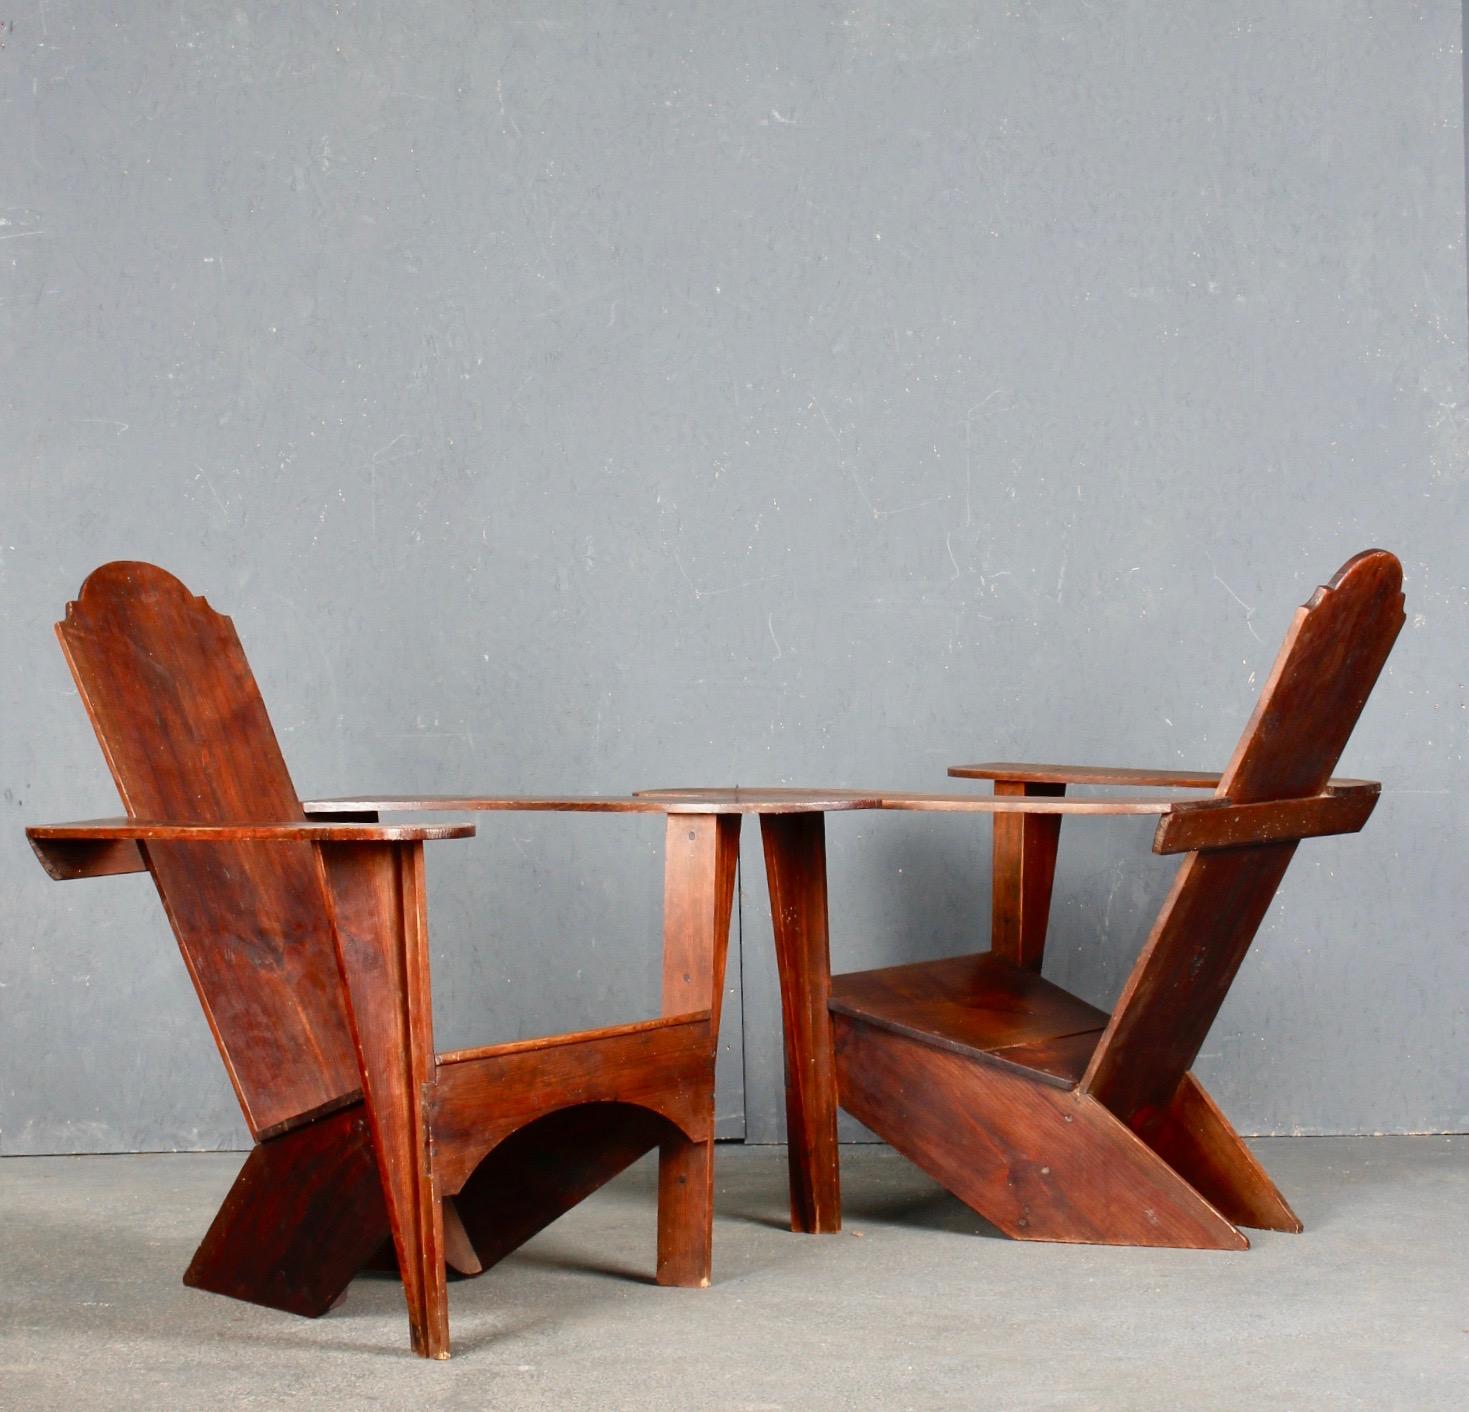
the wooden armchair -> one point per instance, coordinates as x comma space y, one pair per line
1052, 1119
307, 941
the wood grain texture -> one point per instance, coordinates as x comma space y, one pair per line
675, 801
67, 858
185, 734
1027, 804
1224, 824
479, 1101
1104, 775
1040, 1163
701, 855
307, 939
177, 831
1329, 663
1326, 668
976, 1006
1022, 773
795, 868
685, 1211
304, 1215
966, 1070
751, 799
381, 924
1197, 1141
540, 1171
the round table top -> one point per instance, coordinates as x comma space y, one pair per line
759, 800
742, 800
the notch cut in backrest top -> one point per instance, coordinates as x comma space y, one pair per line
180, 720
173, 701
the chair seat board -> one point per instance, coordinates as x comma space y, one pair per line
980, 1006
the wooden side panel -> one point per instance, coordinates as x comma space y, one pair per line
382, 932
1023, 873
481, 1100
1036, 1161
795, 866
186, 736
303, 1217
1326, 669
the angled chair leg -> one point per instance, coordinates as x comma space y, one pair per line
1038, 1161
685, 1211
304, 1216
382, 932
1197, 1141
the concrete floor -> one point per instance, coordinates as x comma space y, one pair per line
916, 1305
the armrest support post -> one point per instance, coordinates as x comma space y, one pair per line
1023, 874
700, 855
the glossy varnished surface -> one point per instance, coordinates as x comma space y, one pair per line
1038, 1161
659, 801
1104, 775
187, 738
1330, 660
981, 1006
308, 942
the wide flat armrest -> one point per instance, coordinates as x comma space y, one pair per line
474, 803
93, 848
1026, 804
1118, 775
289, 830
1220, 823
658, 801
1085, 774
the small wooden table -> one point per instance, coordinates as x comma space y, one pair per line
793, 832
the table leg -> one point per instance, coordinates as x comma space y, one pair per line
795, 866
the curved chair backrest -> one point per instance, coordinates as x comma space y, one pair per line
1327, 667
186, 736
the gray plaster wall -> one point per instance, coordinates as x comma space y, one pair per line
583, 397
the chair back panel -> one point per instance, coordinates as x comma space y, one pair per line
1326, 669
186, 736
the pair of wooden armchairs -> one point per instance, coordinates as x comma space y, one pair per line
304, 929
